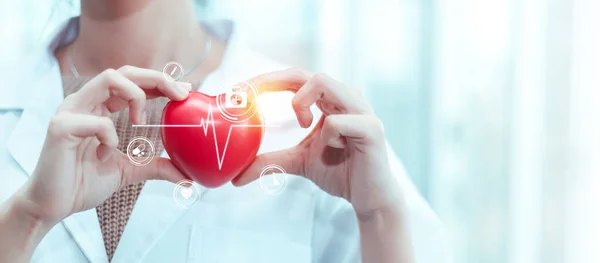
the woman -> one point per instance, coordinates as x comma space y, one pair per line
68, 191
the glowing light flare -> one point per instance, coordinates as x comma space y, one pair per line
276, 107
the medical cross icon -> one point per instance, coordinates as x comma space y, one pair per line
236, 99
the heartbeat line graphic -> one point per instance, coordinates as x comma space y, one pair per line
206, 124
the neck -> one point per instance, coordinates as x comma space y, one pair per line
142, 33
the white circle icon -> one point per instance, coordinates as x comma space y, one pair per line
173, 71
186, 193
140, 151
238, 103
273, 179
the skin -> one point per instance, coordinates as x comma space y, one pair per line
80, 167
165, 29
345, 155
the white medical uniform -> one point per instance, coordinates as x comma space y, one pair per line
229, 224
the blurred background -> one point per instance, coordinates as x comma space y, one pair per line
493, 106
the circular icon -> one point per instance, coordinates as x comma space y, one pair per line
186, 193
173, 71
236, 100
273, 179
140, 151
238, 103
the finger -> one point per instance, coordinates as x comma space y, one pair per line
74, 127
106, 85
290, 160
311, 88
157, 169
104, 152
326, 90
155, 84
339, 129
284, 80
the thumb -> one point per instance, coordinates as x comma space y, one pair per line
159, 168
291, 160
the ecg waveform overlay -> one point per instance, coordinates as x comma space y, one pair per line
207, 123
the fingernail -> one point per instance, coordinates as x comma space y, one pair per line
301, 122
104, 152
236, 181
184, 87
144, 118
105, 157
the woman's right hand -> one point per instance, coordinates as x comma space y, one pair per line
80, 166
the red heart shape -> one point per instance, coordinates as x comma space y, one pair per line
205, 143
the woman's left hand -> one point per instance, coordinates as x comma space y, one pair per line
345, 154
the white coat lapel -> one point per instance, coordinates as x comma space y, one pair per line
26, 141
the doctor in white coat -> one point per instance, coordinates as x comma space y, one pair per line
58, 156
